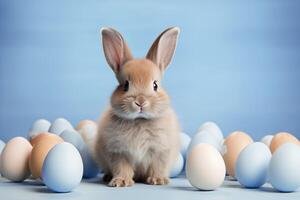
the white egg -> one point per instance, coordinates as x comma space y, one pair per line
185, 141
284, 171
59, 125
14, 159
39, 126
214, 129
267, 140
205, 136
205, 167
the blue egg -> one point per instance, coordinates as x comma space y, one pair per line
73, 137
251, 167
62, 169
59, 125
2, 145
39, 126
284, 168
89, 165
177, 167
90, 168
205, 137
185, 141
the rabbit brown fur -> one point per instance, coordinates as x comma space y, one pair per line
138, 135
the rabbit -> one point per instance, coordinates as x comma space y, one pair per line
138, 137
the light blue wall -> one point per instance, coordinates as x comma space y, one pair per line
237, 62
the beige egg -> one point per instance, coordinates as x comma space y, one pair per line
40, 151
84, 123
14, 159
233, 145
205, 167
39, 137
281, 138
88, 130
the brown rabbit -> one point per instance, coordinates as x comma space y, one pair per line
138, 136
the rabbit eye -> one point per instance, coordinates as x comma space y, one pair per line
126, 86
155, 86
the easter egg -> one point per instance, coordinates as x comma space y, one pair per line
281, 138
2, 144
73, 137
14, 159
267, 140
62, 169
213, 128
177, 166
233, 145
251, 167
85, 123
184, 144
284, 173
39, 126
204, 136
59, 125
40, 151
88, 130
205, 167
90, 168
39, 137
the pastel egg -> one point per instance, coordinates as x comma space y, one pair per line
185, 141
14, 159
40, 151
59, 125
39, 137
73, 137
204, 136
284, 173
251, 168
62, 169
267, 140
205, 167
84, 123
2, 144
233, 145
88, 131
90, 168
281, 138
177, 166
213, 128
39, 126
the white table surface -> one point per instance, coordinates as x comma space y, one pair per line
179, 188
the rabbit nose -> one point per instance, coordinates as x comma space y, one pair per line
140, 101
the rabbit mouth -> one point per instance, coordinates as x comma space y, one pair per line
141, 114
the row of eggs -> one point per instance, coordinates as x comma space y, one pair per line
209, 156
56, 153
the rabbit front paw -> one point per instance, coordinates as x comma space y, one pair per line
157, 180
121, 182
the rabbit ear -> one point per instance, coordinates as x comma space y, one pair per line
163, 48
115, 48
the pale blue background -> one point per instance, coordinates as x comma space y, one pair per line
237, 62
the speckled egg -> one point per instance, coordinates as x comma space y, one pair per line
14, 159
281, 138
233, 145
